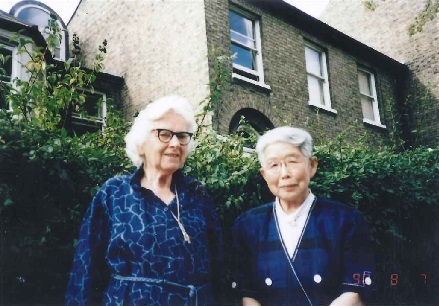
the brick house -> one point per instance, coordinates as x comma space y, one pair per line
31, 19
386, 29
290, 67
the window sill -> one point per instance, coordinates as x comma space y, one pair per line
241, 78
373, 123
324, 108
88, 118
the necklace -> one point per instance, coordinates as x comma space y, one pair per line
180, 225
296, 215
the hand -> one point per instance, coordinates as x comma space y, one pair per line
348, 299
246, 301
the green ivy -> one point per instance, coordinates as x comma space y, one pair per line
48, 177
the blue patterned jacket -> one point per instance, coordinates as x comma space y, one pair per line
334, 255
128, 235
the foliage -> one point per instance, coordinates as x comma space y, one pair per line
48, 177
48, 174
427, 14
54, 89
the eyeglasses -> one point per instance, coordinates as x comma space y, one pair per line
165, 136
275, 166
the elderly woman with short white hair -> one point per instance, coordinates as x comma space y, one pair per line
152, 237
299, 249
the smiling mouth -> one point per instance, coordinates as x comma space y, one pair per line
288, 186
173, 155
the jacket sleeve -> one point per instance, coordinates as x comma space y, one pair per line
358, 259
242, 262
216, 248
90, 274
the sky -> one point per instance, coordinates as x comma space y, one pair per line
66, 8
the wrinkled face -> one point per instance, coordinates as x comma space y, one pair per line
162, 156
288, 172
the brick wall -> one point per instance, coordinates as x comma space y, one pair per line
385, 29
285, 72
158, 47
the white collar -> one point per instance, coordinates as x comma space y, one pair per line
302, 210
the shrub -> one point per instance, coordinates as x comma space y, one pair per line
48, 178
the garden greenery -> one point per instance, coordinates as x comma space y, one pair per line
49, 175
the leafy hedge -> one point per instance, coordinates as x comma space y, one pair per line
48, 179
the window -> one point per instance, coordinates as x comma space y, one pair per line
90, 116
246, 47
249, 124
369, 101
318, 83
6, 71
39, 16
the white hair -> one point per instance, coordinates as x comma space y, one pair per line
294, 136
154, 111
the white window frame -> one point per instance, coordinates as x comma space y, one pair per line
373, 97
15, 64
43, 30
324, 78
259, 72
101, 120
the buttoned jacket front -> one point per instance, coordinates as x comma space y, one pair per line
334, 255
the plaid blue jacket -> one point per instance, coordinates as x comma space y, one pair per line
334, 255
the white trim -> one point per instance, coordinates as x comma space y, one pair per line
328, 109
373, 97
367, 121
259, 65
243, 78
15, 64
102, 118
62, 45
258, 72
245, 69
324, 78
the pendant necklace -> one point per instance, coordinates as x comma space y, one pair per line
180, 225
296, 215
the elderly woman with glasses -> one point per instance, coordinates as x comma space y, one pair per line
299, 249
152, 237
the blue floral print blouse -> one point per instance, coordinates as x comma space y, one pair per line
131, 250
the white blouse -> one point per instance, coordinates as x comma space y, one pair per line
291, 225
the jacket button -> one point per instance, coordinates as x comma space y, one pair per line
233, 285
268, 281
368, 281
317, 279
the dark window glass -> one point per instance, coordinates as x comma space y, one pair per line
35, 16
243, 40
5, 64
244, 57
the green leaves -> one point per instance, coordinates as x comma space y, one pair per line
46, 97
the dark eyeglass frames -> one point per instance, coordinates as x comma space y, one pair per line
165, 136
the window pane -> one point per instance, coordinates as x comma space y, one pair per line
315, 89
5, 64
241, 24
313, 64
367, 106
35, 16
242, 39
3, 104
243, 57
364, 83
93, 105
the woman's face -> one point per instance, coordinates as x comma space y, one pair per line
288, 172
162, 156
